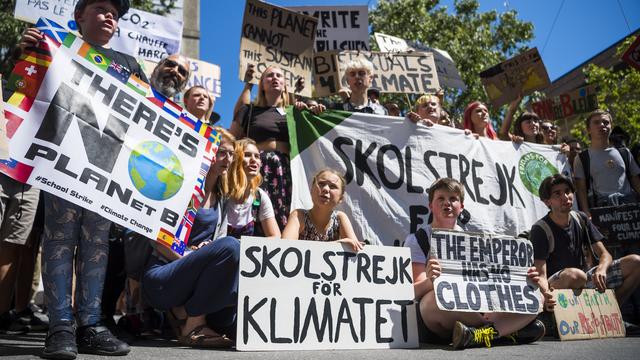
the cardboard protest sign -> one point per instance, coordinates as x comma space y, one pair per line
579, 101
140, 34
618, 223
280, 37
339, 27
389, 164
590, 315
303, 295
484, 273
93, 134
632, 55
411, 73
448, 74
4, 141
524, 73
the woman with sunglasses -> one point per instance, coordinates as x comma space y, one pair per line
200, 289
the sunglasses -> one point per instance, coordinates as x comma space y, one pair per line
549, 128
181, 69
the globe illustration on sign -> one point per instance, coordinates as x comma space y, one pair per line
155, 170
534, 168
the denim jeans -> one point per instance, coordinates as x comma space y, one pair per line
73, 232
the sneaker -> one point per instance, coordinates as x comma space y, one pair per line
97, 339
10, 324
532, 332
35, 321
466, 336
60, 342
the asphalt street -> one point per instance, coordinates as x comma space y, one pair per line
29, 347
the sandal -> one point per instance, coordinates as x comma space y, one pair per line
176, 323
196, 338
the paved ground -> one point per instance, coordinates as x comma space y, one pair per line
29, 347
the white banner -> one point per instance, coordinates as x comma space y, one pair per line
140, 34
87, 133
309, 295
339, 27
484, 273
445, 66
390, 163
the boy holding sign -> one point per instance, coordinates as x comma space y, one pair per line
463, 329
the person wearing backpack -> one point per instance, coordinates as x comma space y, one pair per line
605, 175
569, 247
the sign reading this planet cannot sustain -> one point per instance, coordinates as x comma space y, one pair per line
91, 133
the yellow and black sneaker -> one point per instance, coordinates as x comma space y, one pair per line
466, 337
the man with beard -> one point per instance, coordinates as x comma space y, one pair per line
171, 74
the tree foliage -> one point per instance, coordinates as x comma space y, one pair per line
11, 29
618, 93
475, 40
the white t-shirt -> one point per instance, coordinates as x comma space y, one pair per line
239, 215
417, 255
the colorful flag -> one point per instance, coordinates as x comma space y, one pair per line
16, 170
119, 72
51, 29
138, 85
20, 101
165, 237
26, 78
13, 123
94, 56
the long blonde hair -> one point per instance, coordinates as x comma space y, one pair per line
261, 100
237, 177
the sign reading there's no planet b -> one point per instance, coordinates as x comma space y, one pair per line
522, 74
484, 273
312, 295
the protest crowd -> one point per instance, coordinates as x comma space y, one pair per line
106, 284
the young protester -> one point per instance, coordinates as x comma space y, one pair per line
249, 209
265, 122
71, 230
323, 222
462, 329
527, 128
205, 280
549, 132
568, 248
199, 102
358, 75
604, 175
428, 109
476, 120
574, 149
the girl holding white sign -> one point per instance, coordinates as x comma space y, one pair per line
323, 222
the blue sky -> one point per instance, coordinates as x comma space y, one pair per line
583, 29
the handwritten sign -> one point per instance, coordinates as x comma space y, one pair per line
590, 315
632, 55
140, 34
579, 101
618, 223
448, 74
297, 295
484, 273
280, 37
339, 27
411, 73
524, 73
